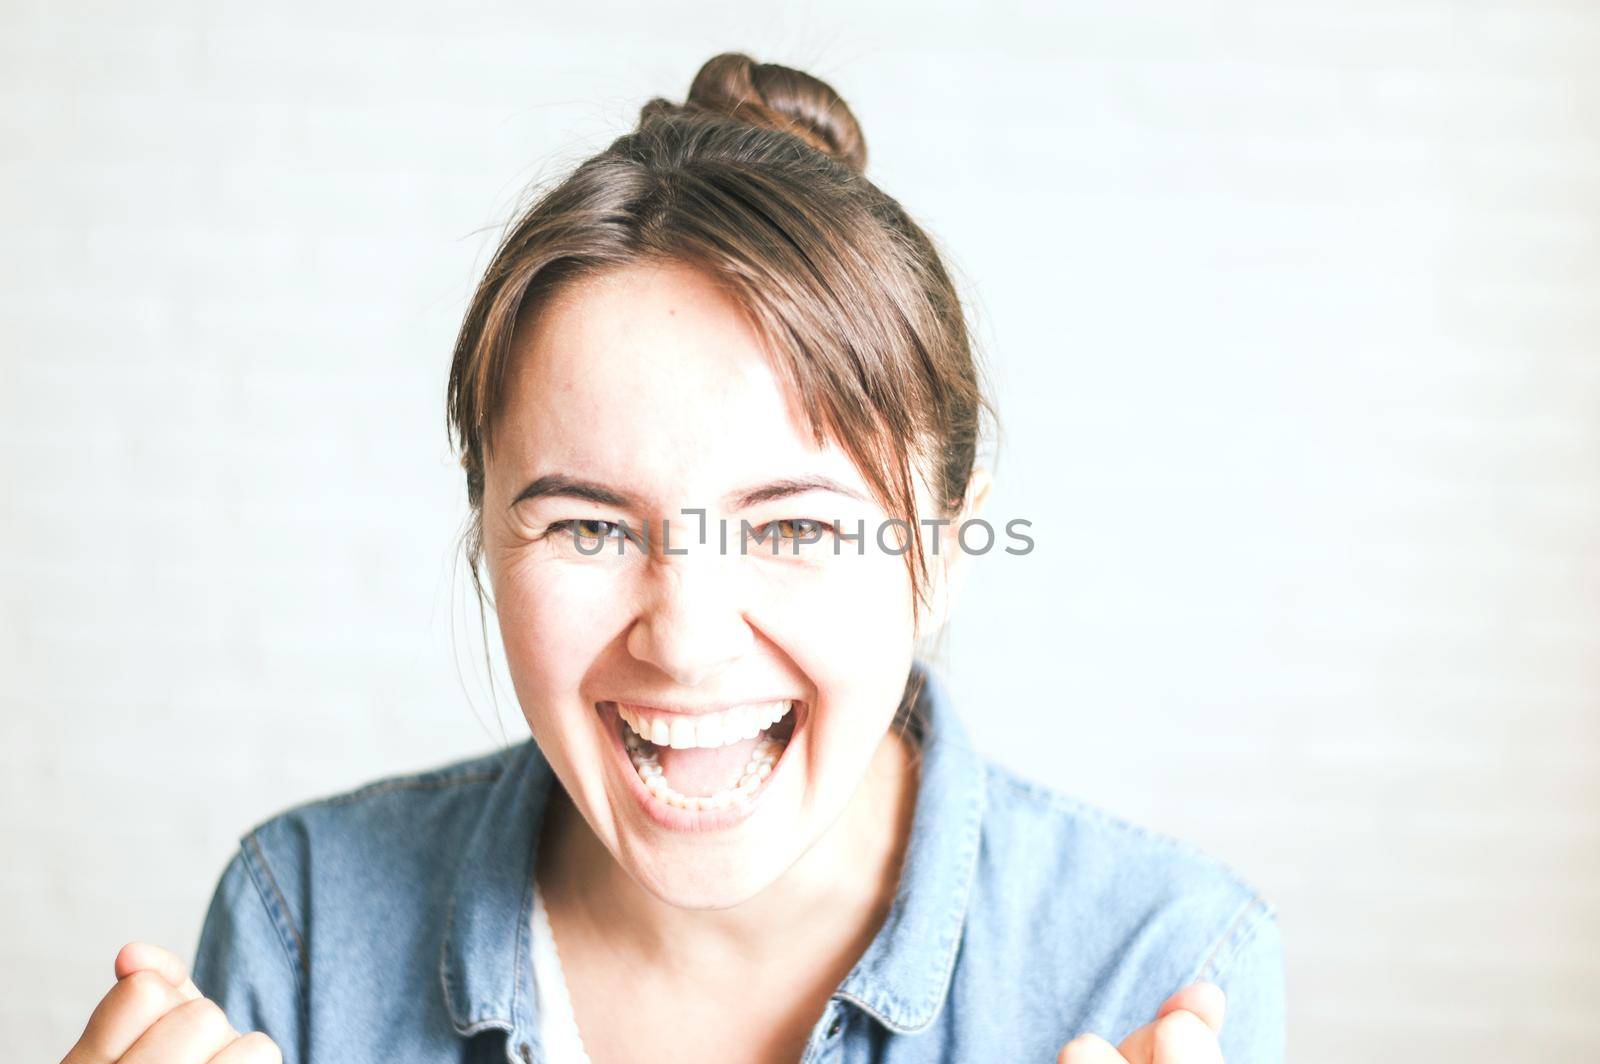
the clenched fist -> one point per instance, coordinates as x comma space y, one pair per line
155, 1015
1184, 1032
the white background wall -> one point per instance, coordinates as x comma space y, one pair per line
1292, 311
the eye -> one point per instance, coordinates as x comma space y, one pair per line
797, 528
590, 529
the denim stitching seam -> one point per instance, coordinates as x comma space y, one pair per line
946, 944
278, 906
1238, 935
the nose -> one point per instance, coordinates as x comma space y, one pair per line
691, 627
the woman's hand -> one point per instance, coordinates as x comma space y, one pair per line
155, 1015
1184, 1032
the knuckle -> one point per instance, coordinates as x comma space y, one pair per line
145, 991
1084, 1048
204, 1016
94, 1044
1181, 1031
257, 1048
134, 1001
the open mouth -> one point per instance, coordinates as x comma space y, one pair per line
707, 763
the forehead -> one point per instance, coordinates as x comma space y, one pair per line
653, 372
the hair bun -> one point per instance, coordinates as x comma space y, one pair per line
777, 97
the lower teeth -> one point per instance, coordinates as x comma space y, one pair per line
755, 771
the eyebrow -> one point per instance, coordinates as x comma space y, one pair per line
562, 485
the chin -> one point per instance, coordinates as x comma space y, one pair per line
702, 889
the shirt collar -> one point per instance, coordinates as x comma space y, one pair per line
904, 976
486, 967
486, 960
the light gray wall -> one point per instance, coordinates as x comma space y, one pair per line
1292, 312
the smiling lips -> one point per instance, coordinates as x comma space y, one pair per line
739, 795
708, 760
721, 728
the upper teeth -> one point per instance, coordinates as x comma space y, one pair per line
708, 729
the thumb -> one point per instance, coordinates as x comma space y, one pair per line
1205, 1000
143, 956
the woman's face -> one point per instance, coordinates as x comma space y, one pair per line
647, 385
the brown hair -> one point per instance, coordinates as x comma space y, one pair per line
757, 179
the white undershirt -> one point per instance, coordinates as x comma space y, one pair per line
558, 1027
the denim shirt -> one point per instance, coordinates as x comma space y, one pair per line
392, 923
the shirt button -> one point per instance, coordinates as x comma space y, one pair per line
525, 1051
833, 1028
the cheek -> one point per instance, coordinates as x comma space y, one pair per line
858, 604
845, 621
554, 621
848, 628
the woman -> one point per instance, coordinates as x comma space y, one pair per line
719, 417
